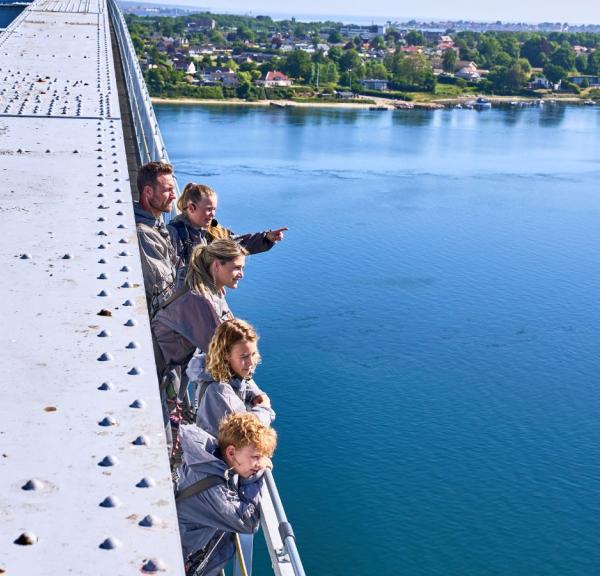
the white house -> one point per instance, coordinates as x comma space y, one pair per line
374, 84
276, 78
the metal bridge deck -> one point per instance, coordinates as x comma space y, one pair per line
83, 463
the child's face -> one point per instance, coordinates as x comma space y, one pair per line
242, 358
246, 461
201, 214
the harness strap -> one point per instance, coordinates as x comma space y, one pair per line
198, 487
186, 241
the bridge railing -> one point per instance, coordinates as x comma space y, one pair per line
279, 537
150, 143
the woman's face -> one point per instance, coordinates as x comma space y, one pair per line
228, 273
242, 358
201, 214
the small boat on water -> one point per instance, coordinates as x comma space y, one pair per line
589, 103
279, 104
482, 104
378, 108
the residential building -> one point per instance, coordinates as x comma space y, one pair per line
374, 84
202, 25
468, 73
275, 78
214, 75
593, 81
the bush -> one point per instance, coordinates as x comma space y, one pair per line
566, 86
594, 94
287, 92
191, 91
453, 81
447, 79
215, 92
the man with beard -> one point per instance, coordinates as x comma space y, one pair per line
156, 188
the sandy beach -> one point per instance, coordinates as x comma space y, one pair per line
369, 102
238, 102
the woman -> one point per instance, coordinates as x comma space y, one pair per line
223, 377
197, 225
188, 319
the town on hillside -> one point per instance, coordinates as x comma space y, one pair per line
222, 56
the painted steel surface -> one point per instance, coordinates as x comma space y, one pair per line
84, 477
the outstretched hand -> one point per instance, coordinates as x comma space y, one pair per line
276, 235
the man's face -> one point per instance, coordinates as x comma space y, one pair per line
242, 358
229, 273
245, 461
160, 196
201, 214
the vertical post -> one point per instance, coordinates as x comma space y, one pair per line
243, 560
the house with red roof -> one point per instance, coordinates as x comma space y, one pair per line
276, 78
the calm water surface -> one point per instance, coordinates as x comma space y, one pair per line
430, 327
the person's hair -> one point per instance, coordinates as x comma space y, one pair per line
226, 336
194, 193
199, 276
242, 429
149, 173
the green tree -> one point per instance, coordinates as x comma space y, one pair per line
593, 62
350, 80
244, 33
554, 73
536, 50
411, 72
335, 37
564, 57
415, 38
350, 60
231, 64
138, 43
217, 39
248, 66
393, 36
489, 49
319, 57
335, 53
377, 43
467, 51
581, 63
376, 70
330, 73
449, 61
510, 45
244, 77
510, 79
298, 65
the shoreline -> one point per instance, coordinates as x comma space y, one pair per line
434, 104
259, 103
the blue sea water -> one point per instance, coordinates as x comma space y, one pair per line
8, 12
430, 327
